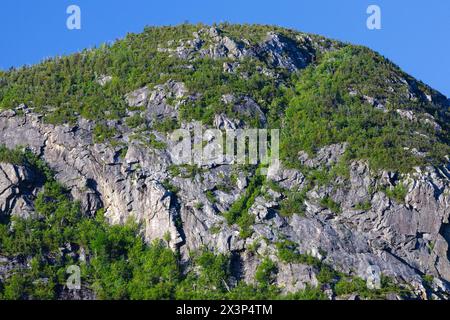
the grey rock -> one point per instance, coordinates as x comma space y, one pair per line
249, 108
138, 98
284, 52
295, 277
290, 179
17, 191
326, 156
222, 122
104, 79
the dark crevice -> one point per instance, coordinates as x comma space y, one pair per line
92, 184
175, 209
445, 233
236, 266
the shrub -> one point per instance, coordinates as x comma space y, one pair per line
238, 213
397, 193
134, 121
348, 286
294, 203
102, 133
364, 206
211, 197
265, 272
309, 293
166, 125
329, 203
288, 252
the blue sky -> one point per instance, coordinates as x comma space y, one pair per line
415, 34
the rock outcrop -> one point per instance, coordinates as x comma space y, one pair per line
406, 240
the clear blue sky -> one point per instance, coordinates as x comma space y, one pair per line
415, 33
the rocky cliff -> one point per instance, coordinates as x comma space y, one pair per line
355, 223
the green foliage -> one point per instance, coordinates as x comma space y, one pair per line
155, 143
294, 203
265, 272
121, 266
148, 140
243, 204
364, 206
118, 264
166, 125
397, 193
329, 203
134, 121
210, 280
186, 171
274, 186
327, 275
40, 238
288, 252
238, 213
224, 187
209, 79
170, 187
65, 88
24, 157
155, 273
215, 229
314, 109
214, 270
428, 279
210, 196
102, 133
15, 288
323, 112
174, 170
15, 156
350, 285
69, 84
326, 176
309, 293
199, 206
30, 159
123, 152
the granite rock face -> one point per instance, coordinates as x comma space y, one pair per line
16, 191
405, 240
277, 50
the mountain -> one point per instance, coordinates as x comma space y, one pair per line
358, 207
